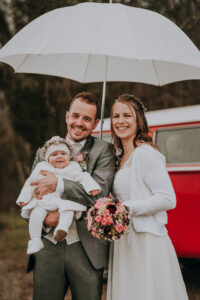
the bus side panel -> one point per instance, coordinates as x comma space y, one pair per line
184, 221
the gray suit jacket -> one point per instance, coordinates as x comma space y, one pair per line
102, 167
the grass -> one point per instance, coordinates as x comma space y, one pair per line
14, 282
13, 240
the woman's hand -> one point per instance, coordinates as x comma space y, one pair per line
94, 192
22, 204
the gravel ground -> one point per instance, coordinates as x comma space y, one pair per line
17, 285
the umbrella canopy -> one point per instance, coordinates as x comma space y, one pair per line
92, 42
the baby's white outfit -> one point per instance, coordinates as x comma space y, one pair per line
37, 210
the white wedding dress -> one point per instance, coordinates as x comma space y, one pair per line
142, 266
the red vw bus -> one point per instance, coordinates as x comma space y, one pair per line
177, 133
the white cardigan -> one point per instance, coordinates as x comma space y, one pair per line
152, 192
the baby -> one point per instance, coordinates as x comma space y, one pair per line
56, 153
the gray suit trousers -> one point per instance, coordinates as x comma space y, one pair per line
59, 266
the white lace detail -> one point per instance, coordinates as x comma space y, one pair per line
121, 186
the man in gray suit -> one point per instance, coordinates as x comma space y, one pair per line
79, 260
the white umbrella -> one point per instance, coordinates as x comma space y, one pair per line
92, 42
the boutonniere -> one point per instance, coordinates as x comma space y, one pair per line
82, 159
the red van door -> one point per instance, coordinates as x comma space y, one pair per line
181, 147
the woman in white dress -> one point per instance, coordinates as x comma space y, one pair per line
143, 263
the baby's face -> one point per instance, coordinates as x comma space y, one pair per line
59, 159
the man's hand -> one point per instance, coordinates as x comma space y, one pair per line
45, 185
52, 219
22, 204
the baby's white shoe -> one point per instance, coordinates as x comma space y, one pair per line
34, 246
59, 235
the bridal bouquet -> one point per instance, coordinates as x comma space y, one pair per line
107, 219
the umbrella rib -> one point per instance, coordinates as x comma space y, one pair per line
156, 72
22, 62
85, 73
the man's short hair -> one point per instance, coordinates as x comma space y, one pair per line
88, 98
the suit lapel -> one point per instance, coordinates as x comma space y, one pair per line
87, 148
88, 145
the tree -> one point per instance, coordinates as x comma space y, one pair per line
32, 107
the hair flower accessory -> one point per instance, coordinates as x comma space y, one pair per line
82, 159
54, 144
107, 219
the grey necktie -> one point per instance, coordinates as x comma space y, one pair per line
76, 147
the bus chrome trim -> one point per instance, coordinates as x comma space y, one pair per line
183, 168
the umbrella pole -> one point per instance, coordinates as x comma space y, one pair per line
103, 100
104, 95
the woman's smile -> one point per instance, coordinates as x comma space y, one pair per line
122, 127
124, 121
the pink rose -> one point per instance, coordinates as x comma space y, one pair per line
104, 221
120, 209
99, 204
106, 215
119, 228
119, 204
109, 220
79, 158
98, 218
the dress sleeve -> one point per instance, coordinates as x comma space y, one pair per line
75, 173
27, 190
88, 183
155, 177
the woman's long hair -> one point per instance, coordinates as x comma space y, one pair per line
142, 134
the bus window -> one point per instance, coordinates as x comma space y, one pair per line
179, 145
